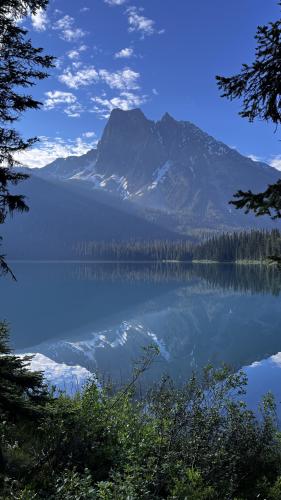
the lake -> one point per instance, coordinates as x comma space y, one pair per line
82, 318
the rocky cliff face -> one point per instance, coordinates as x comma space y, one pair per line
173, 171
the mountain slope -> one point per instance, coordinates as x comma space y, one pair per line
172, 171
62, 214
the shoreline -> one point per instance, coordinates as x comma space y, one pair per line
167, 261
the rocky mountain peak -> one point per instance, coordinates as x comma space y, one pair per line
124, 126
130, 117
170, 167
167, 118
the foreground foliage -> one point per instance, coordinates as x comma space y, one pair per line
196, 442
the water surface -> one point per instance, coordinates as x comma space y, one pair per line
95, 318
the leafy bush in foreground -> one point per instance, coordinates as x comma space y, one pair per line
196, 442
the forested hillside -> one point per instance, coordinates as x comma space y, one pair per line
227, 247
233, 247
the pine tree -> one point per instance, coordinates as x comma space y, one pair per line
259, 86
21, 65
22, 392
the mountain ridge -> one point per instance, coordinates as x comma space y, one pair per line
171, 170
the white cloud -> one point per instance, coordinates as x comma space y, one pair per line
65, 100
40, 20
81, 78
67, 29
75, 53
71, 35
85, 9
89, 134
64, 23
126, 100
275, 162
49, 149
255, 158
76, 64
155, 92
115, 2
139, 23
74, 110
59, 61
124, 53
56, 97
125, 79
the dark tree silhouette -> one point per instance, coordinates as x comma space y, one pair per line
259, 86
22, 392
20, 388
21, 65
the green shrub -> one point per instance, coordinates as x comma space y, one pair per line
199, 441
192, 486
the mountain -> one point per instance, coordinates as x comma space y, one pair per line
145, 180
65, 168
171, 171
63, 214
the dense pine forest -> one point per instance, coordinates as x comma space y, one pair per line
233, 247
154, 250
227, 247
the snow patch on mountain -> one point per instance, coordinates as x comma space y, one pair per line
119, 184
113, 338
112, 184
115, 183
159, 175
64, 377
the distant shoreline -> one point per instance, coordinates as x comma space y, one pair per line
167, 261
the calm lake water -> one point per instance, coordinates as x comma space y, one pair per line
84, 317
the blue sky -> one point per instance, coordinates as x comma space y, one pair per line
160, 55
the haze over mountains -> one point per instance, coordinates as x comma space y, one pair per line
144, 180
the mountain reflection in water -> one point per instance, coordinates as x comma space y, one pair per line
97, 317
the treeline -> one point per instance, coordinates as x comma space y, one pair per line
154, 250
233, 247
227, 247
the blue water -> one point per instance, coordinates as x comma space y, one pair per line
82, 318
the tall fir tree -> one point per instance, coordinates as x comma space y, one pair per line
21, 65
259, 87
